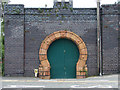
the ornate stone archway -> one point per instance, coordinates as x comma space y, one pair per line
44, 67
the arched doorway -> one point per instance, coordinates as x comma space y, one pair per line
63, 55
44, 67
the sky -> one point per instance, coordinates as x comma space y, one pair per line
76, 3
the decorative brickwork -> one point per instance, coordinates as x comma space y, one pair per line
44, 67
26, 28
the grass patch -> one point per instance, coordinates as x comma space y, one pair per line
2, 47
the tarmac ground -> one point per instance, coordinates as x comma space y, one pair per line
106, 81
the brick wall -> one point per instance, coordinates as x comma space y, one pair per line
26, 28
110, 38
14, 40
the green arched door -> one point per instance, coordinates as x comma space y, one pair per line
63, 55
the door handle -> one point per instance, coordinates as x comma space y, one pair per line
64, 51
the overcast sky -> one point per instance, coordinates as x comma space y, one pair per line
76, 3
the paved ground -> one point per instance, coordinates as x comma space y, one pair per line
109, 81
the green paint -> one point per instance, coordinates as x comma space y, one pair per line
63, 55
